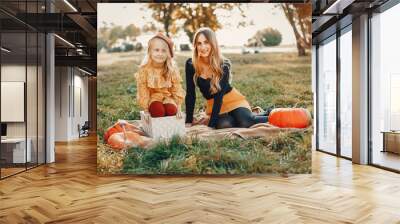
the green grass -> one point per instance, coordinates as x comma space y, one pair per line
266, 79
288, 153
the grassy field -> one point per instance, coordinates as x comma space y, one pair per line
267, 80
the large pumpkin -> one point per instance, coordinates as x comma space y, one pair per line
118, 127
121, 140
290, 117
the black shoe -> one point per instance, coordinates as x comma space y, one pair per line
267, 111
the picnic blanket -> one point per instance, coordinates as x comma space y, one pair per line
262, 130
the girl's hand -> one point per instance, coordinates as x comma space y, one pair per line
179, 114
147, 116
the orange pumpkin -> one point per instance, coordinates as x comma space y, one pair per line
121, 140
109, 132
119, 127
290, 117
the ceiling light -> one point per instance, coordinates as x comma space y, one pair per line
86, 72
71, 6
5, 50
337, 7
64, 40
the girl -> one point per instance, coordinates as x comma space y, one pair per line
159, 88
210, 71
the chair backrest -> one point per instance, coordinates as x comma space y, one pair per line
86, 125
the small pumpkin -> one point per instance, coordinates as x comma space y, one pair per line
290, 117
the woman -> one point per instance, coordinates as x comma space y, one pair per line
210, 71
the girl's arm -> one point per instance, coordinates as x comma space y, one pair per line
224, 83
143, 92
190, 98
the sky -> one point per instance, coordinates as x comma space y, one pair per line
262, 15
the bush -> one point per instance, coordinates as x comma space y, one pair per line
271, 37
267, 37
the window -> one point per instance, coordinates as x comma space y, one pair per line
385, 85
22, 74
327, 96
346, 92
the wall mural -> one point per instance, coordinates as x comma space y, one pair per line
212, 88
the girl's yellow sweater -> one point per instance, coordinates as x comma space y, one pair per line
153, 86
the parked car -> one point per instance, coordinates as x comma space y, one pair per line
247, 50
184, 47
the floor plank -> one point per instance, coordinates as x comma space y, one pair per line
69, 191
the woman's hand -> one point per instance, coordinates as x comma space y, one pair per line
203, 121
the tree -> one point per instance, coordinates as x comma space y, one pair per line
116, 32
149, 27
299, 17
165, 13
101, 43
102, 37
192, 16
196, 16
131, 31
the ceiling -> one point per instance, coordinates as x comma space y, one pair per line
74, 22
332, 15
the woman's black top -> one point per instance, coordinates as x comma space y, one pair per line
204, 86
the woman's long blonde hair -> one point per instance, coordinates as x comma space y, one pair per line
169, 65
215, 58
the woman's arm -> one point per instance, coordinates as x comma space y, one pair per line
190, 98
224, 83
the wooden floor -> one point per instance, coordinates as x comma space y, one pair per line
387, 159
10, 171
69, 191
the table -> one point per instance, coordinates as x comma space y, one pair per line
391, 141
16, 148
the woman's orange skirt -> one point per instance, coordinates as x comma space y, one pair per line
232, 100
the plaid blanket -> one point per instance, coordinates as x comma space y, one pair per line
262, 130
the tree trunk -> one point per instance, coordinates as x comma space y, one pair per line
290, 16
166, 27
301, 50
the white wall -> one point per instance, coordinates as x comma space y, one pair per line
70, 83
12, 73
33, 127
62, 81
